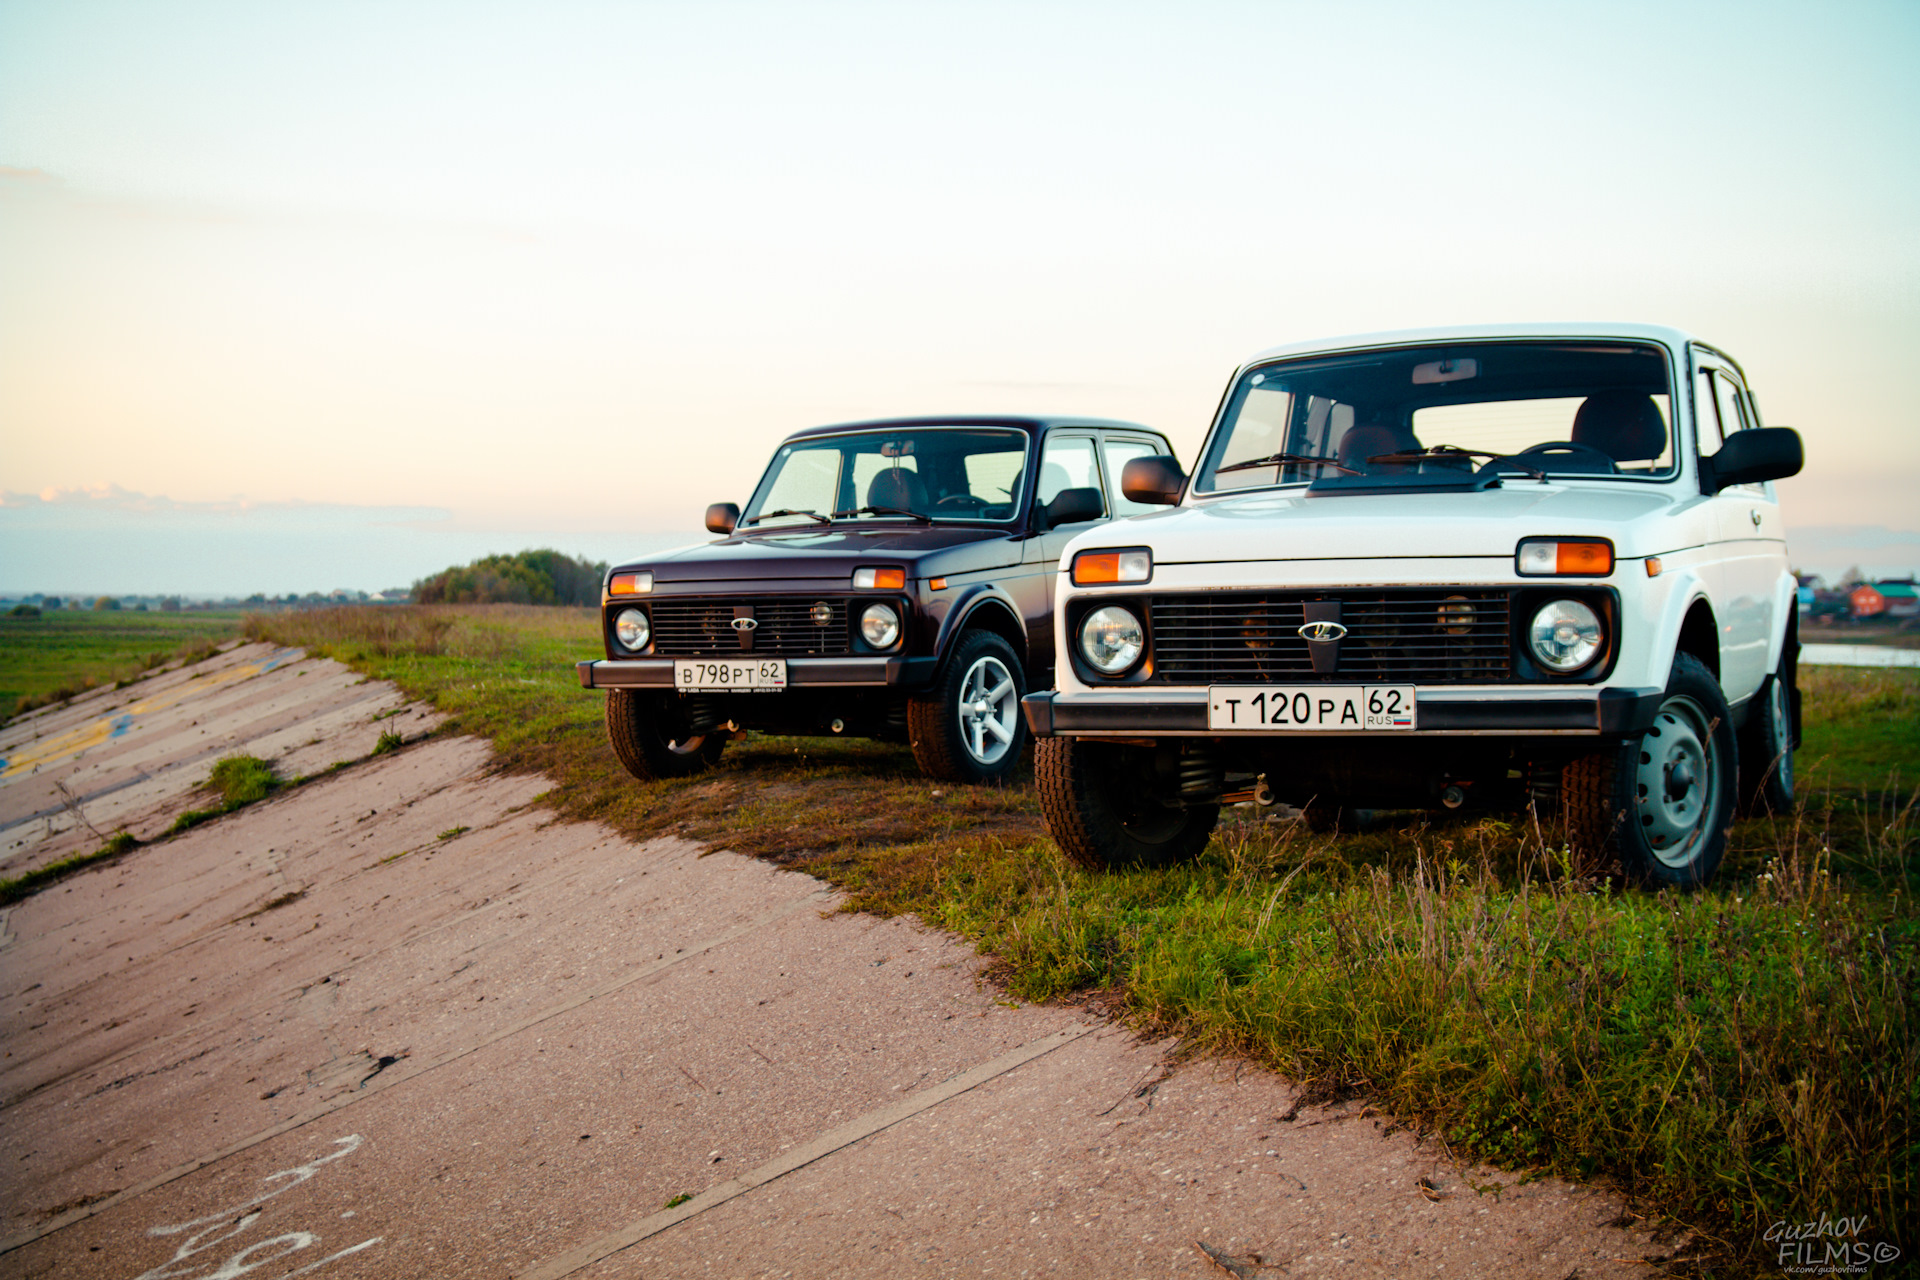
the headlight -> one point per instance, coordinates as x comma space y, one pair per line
631, 630
880, 625
1565, 635
1112, 639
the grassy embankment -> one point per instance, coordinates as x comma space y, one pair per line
66, 652
1732, 1058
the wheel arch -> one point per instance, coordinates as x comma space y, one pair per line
984, 608
1700, 635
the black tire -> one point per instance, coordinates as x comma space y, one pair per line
649, 734
1766, 746
969, 727
1098, 802
1660, 801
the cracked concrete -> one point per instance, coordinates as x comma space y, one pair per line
315, 1034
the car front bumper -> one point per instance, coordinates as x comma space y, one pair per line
1439, 713
657, 673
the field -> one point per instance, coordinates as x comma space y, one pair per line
1731, 1058
67, 651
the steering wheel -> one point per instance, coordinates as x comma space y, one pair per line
962, 500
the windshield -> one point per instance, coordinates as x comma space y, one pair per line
922, 473
1462, 415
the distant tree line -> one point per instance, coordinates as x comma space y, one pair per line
527, 577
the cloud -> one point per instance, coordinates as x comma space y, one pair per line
112, 499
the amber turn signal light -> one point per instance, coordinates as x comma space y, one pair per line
1564, 558
630, 584
879, 579
1092, 568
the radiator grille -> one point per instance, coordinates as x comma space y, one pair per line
704, 628
1430, 636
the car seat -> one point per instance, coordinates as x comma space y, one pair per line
900, 489
1624, 425
1366, 441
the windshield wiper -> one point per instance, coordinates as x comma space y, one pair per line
1455, 451
885, 511
789, 511
1302, 459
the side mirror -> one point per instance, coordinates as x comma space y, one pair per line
1072, 506
1157, 480
722, 517
1762, 453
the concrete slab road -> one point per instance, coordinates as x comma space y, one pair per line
398, 1022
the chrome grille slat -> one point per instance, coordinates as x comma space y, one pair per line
702, 628
1391, 636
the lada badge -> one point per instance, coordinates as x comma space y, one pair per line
1321, 631
745, 624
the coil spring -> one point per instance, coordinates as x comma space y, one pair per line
1199, 774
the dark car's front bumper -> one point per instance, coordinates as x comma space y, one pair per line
1183, 712
657, 673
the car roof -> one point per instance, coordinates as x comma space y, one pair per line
1018, 422
1676, 339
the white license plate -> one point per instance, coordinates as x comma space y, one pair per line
730, 673
1338, 708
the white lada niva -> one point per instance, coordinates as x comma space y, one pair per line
1454, 567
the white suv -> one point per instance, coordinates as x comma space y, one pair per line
1453, 567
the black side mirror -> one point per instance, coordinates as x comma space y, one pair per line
722, 517
1748, 457
1157, 480
1072, 506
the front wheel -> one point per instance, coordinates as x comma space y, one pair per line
650, 735
1098, 800
969, 727
1660, 801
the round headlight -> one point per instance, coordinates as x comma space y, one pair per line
631, 630
1112, 639
1565, 635
880, 625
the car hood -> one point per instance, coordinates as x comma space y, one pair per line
820, 554
1293, 526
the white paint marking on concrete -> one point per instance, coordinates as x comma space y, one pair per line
387, 1079
826, 1144
1858, 655
234, 1219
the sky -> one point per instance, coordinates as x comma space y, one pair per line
298, 297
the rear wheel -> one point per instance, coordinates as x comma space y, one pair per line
649, 733
1099, 803
1660, 801
969, 727
1766, 747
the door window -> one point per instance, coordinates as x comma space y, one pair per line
1066, 463
1118, 454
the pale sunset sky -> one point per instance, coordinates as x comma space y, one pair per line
296, 296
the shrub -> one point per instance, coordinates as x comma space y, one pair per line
528, 577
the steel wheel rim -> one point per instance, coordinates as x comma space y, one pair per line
1677, 782
988, 710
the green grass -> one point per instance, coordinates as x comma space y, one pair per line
14, 888
239, 781
65, 652
1731, 1058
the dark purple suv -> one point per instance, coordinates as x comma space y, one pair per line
887, 579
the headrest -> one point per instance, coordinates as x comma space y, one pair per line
1366, 441
898, 488
1624, 425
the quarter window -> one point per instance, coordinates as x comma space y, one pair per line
1066, 463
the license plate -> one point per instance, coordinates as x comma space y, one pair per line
730, 673
1340, 708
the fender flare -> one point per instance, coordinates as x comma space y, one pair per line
982, 595
1786, 620
1689, 592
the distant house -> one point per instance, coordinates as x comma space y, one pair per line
1865, 601
1899, 599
